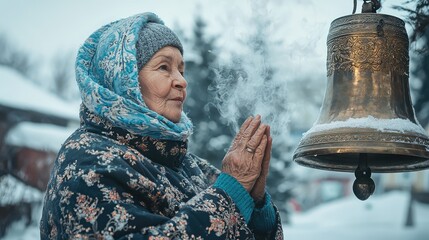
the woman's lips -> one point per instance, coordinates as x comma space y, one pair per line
178, 99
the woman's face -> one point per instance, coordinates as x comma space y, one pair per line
162, 84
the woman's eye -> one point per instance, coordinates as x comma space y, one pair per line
182, 73
163, 67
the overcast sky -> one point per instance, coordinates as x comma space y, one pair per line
47, 26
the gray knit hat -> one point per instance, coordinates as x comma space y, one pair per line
152, 37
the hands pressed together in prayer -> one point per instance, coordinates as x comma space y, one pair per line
248, 158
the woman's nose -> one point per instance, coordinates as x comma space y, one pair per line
180, 82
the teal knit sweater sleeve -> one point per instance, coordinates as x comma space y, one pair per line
238, 194
264, 219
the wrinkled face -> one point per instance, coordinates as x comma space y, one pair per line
162, 84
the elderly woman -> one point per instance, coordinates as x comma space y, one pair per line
126, 172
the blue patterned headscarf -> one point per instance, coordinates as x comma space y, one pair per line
107, 76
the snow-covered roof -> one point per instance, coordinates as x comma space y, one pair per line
13, 191
19, 92
38, 136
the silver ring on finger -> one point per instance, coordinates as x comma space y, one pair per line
250, 150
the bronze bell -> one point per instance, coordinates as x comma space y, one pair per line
367, 122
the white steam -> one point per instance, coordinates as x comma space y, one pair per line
252, 82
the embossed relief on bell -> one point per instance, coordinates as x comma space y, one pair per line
352, 53
355, 44
367, 71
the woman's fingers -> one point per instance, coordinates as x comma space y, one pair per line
267, 157
255, 140
259, 152
268, 131
239, 135
246, 124
249, 131
258, 190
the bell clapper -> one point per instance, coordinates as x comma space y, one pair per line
363, 186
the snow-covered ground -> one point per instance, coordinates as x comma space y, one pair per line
380, 217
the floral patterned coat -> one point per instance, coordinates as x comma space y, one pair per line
110, 184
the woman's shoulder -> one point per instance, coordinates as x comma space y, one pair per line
82, 139
85, 146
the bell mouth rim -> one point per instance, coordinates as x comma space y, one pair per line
318, 149
348, 162
346, 156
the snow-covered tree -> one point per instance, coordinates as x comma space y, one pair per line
211, 135
63, 77
11, 56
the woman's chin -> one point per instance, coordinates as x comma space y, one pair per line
174, 117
